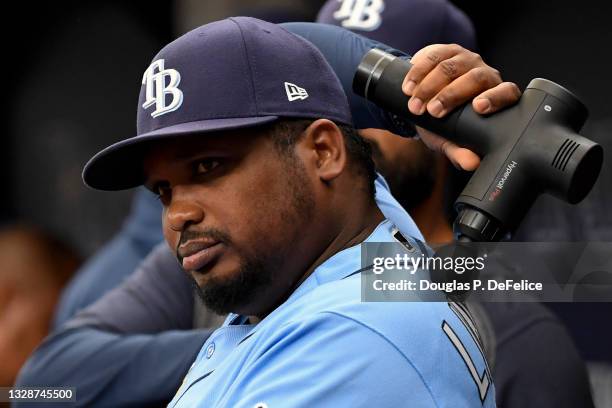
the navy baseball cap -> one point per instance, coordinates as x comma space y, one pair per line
407, 25
235, 73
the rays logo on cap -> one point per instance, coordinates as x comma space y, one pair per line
156, 89
360, 14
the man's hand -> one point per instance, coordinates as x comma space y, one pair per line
443, 77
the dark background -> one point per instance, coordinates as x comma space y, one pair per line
72, 73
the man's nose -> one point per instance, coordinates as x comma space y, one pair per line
183, 209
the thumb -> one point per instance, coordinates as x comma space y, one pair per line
461, 157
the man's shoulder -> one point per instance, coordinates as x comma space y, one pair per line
344, 296
405, 325
332, 322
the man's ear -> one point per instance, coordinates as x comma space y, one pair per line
323, 144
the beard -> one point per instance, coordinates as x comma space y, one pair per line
258, 271
223, 296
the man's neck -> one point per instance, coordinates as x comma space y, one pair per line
429, 215
355, 230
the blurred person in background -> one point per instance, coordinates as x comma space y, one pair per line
34, 269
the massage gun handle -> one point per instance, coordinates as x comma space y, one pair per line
379, 79
387, 93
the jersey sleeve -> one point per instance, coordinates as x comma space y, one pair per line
343, 50
116, 260
156, 297
108, 369
128, 347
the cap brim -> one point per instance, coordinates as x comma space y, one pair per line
120, 166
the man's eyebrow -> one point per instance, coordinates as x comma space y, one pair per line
186, 154
197, 151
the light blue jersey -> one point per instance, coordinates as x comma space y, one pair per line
323, 347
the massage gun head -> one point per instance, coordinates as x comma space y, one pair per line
533, 148
566, 163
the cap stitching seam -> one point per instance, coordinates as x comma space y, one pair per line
310, 46
249, 67
318, 59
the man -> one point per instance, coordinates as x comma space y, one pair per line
58, 356
280, 256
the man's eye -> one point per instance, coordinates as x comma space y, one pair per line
205, 166
162, 192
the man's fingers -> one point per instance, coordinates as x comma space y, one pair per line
461, 158
499, 97
426, 60
440, 76
443, 77
462, 90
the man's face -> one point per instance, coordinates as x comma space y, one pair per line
407, 164
235, 212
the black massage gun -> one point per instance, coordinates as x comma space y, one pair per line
527, 149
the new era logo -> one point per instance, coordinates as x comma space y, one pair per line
294, 92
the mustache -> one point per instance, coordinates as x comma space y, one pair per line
210, 233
